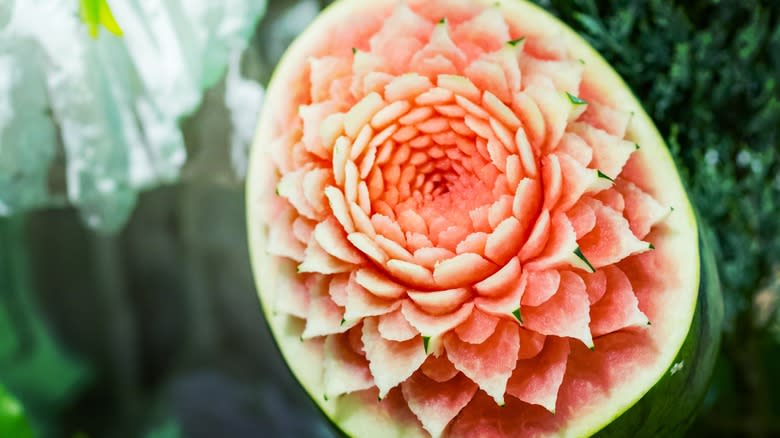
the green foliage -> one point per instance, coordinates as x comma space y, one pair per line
32, 365
97, 12
708, 72
170, 429
12, 420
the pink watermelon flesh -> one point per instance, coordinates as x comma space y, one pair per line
537, 380
460, 229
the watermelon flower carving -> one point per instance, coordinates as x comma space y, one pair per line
451, 203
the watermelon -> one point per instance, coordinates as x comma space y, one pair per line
455, 232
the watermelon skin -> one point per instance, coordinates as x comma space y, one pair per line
670, 407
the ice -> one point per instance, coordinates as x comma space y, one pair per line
111, 106
27, 136
242, 98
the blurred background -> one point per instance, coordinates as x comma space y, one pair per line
127, 306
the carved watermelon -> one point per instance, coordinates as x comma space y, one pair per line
463, 224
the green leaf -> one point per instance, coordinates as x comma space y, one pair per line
12, 419
31, 361
516, 41
90, 15
581, 256
575, 100
97, 12
603, 175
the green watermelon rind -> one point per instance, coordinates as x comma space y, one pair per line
667, 406
670, 406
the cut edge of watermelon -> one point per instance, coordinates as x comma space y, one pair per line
350, 412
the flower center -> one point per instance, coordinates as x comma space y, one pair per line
432, 176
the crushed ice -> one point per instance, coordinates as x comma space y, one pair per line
107, 110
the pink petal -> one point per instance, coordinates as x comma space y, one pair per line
507, 305
490, 363
554, 107
344, 370
439, 44
430, 256
612, 199
292, 296
322, 71
552, 181
474, 242
595, 284
451, 237
501, 282
434, 325
331, 237
312, 116
337, 288
324, 318
393, 326
574, 146
610, 153
531, 343
504, 242
440, 301
564, 74
526, 204
439, 369
314, 183
611, 240
607, 118
642, 210
361, 303
281, 237
537, 239
410, 273
566, 314
379, 284
537, 380
576, 181
436, 404
561, 244
582, 218
368, 247
400, 36
316, 259
533, 133
482, 33
541, 286
488, 75
410, 220
499, 210
388, 228
461, 270
619, 308
390, 362
477, 327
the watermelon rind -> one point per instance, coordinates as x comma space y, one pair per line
670, 406
659, 401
